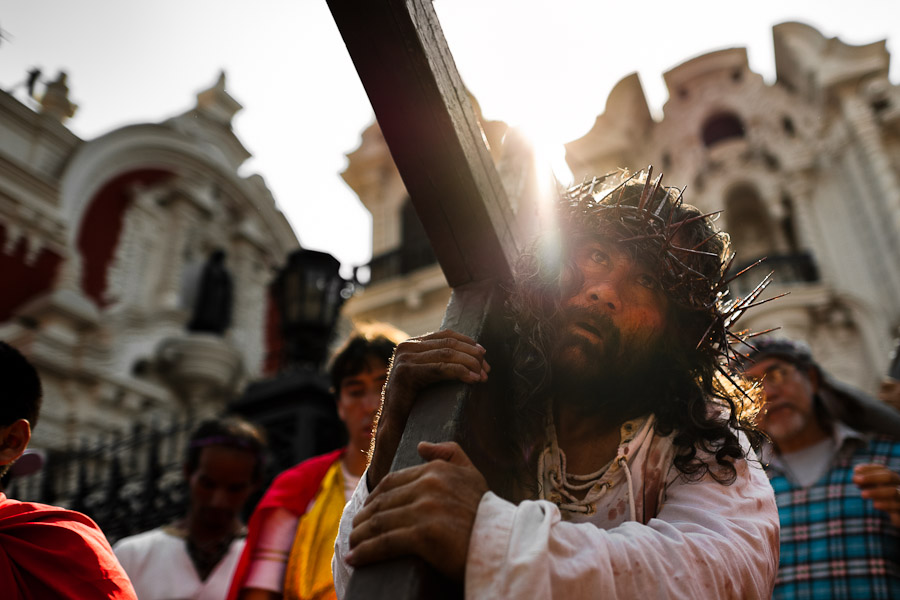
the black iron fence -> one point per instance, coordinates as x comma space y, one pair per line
126, 483
133, 482
401, 261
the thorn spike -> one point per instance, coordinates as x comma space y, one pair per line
645, 191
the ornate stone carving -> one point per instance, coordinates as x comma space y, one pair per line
202, 369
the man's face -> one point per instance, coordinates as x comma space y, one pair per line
788, 413
358, 400
220, 485
618, 315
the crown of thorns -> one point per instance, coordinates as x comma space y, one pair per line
654, 223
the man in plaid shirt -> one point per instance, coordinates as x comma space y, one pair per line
833, 462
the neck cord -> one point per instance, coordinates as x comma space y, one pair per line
560, 487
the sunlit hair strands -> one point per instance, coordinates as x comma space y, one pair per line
691, 372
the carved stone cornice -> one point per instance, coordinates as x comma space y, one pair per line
199, 367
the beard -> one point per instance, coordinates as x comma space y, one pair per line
597, 372
788, 423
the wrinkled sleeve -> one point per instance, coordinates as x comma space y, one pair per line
708, 541
340, 570
268, 560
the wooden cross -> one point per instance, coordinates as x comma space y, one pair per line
424, 112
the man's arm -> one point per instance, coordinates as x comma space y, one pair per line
427, 510
708, 541
267, 553
441, 356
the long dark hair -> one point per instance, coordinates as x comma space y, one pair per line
697, 399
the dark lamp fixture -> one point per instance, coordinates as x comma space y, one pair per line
309, 291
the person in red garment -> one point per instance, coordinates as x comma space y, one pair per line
291, 534
45, 551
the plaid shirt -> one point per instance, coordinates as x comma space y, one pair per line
834, 544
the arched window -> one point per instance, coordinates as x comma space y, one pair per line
749, 224
787, 124
721, 127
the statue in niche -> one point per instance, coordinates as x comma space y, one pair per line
212, 307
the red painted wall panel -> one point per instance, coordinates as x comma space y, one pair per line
20, 282
101, 227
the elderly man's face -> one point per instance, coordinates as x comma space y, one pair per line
788, 415
618, 314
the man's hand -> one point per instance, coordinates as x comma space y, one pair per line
441, 356
882, 486
427, 510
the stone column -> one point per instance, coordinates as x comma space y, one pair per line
183, 214
252, 277
801, 192
881, 206
133, 274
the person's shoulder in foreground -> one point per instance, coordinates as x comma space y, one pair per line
50, 552
624, 468
45, 551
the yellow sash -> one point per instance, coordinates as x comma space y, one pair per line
308, 575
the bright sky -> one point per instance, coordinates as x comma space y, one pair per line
544, 66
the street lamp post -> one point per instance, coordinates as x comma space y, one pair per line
295, 406
309, 292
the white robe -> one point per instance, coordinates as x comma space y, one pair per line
691, 540
161, 569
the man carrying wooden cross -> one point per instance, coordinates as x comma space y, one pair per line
621, 467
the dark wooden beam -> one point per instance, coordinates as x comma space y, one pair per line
474, 309
424, 112
428, 122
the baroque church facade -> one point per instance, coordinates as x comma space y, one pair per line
807, 170
105, 246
